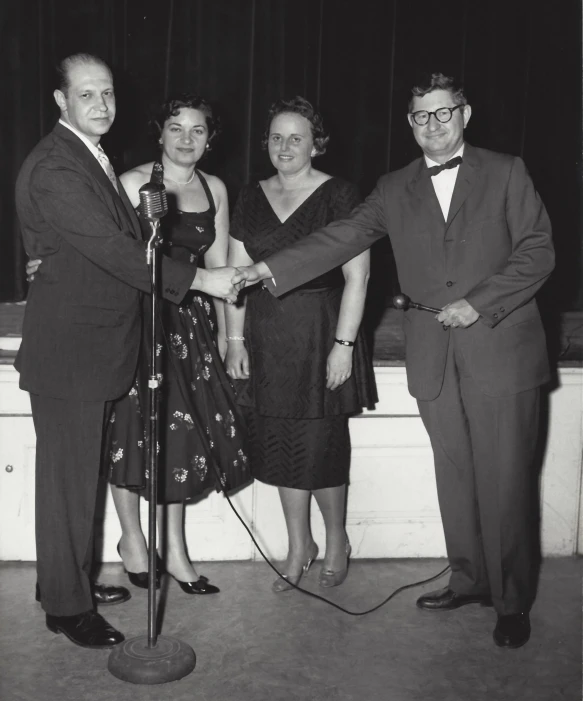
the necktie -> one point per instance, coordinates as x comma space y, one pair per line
452, 163
107, 167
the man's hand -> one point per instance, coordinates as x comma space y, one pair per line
459, 314
251, 275
31, 267
217, 282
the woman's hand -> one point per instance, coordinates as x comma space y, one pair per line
237, 360
31, 267
338, 366
222, 345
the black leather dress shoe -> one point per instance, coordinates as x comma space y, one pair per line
201, 586
110, 594
102, 594
512, 630
446, 600
87, 629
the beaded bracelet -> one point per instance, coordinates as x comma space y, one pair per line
235, 338
343, 343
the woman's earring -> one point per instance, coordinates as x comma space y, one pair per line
314, 152
160, 141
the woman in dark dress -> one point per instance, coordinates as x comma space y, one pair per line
302, 364
201, 443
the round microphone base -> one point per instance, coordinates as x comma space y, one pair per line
133, 661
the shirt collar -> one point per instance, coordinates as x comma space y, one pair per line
91, 146
431, 163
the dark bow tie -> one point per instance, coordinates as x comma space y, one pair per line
452, 163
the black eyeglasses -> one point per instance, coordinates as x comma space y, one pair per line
443, 115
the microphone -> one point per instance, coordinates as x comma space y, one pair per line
403, 302
152, 659
153, 206
153, 201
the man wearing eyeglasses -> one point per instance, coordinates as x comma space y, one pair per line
471, 237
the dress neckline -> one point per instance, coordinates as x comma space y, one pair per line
297, 209
157, 176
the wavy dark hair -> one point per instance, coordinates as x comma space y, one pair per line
438, 81
172, 106
64, 66
299, 105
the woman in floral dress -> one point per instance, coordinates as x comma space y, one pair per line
201, 439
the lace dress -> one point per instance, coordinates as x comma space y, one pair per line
201, 429
298, 429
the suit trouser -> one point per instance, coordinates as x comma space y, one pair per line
69, 437
484, 450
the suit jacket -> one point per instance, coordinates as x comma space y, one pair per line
495, 250
81, 328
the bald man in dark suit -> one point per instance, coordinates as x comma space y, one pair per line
81, 334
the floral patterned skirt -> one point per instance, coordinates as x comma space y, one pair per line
202, 439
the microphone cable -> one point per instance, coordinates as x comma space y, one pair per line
323, 598
188, 402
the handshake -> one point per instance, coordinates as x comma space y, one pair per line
226, 283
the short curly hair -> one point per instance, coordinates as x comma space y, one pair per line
299, 105
172, 106
438, 81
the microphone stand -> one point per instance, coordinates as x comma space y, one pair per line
152, 659
154, 382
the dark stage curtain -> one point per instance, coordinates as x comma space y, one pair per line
520, 61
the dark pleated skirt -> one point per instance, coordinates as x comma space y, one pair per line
299, 453
297, 428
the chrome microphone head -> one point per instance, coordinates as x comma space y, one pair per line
153, 201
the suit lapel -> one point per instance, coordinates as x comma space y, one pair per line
422, 193
112, 199
464, 184
131, 212
423, 197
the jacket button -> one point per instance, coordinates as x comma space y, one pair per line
495, 315
449, 283
502, 310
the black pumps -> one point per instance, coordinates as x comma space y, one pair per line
201, 586
140, 579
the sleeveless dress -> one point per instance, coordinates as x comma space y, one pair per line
297, 429
201, 428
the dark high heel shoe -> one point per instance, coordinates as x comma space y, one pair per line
286, 581
140, 579
329, 578
201, 586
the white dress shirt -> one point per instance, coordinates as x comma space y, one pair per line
92, 147
97, 152
444, 182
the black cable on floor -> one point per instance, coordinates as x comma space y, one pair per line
322, 598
